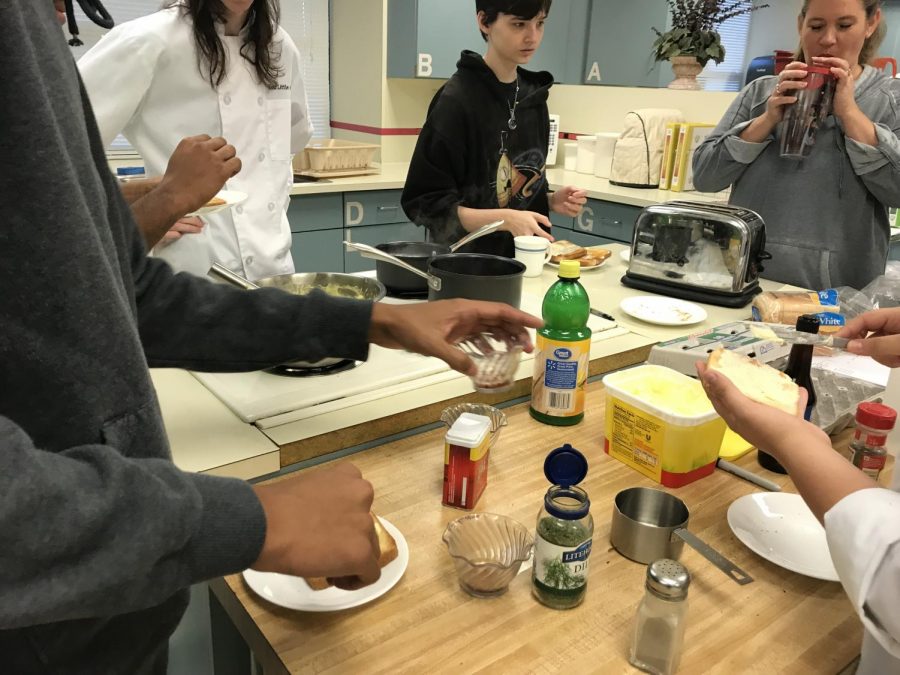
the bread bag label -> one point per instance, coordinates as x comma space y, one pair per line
560, 373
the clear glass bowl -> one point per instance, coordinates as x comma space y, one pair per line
496, 358
488, 551
497, 417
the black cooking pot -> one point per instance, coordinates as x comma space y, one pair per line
474, 276
418, 254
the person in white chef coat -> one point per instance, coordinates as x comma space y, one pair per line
862, 520
218, 67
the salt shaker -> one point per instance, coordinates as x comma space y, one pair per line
659, 626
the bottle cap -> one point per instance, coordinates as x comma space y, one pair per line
876, 416
565, 466
130, 171
569, 269
808, 323
668, 579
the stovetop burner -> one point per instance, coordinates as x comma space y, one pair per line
291, 371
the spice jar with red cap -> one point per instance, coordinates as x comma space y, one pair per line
874, 422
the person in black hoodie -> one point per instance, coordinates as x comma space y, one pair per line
481, 154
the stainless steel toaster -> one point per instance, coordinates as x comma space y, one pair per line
706, 252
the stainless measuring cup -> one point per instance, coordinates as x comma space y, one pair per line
650, 524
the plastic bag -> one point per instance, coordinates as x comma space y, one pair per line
884, 291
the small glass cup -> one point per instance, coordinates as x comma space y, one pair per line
496, 358
803, 118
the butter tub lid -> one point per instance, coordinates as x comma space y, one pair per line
469, 430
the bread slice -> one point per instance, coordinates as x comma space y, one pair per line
386, 544
757, 381
594, 256
562, 249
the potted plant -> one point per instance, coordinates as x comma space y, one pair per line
693, 41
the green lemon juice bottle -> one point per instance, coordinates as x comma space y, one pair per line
562, 351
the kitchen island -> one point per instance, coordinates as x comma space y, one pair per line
263, 422
782, 622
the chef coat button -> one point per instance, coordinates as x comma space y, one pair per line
260, 100
271, 206
262, 156
248, 260
226, 99
239, 208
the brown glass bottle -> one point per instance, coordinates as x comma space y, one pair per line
799, 367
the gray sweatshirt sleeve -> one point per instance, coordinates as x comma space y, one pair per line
723, 156
879, 166
88, 532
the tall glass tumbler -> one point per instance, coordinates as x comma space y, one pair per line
803, 118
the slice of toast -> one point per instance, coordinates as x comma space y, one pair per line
386, 544
757, 381
562, 249
594, 256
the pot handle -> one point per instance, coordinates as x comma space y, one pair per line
375, 254
477, 234
716, 558
219, 272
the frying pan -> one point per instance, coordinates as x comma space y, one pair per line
650, 524
476, 276
417, 254
340, 285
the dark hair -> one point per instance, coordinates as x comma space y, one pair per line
523, 9
872, 43
258, 49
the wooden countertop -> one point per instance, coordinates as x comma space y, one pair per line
782, 622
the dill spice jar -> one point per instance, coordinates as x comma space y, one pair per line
562, 543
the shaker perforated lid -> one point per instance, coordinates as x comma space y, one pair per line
668, 579
565, 466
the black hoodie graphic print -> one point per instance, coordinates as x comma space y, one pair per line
467, 155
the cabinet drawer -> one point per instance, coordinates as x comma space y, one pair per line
374, 235
558, 220
376, 207
583, 239
316, 212
318, 251
608, 219
894, 253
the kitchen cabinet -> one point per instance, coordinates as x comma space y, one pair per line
894, 252
373, 207
318, 251
619, 43
425, 38
567, 222
609, 220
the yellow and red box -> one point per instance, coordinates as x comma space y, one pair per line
660, 423
466, 453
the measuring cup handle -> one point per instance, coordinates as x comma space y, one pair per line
716, 558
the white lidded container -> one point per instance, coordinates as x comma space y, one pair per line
585, 158
604, 147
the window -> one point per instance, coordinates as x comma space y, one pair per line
306, 21
729, 75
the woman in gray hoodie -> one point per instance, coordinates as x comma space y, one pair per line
827, 215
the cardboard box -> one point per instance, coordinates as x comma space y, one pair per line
466, 454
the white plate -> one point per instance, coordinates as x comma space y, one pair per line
294, 593
663, 311
780, 527
625, 255
231, 197
583, 269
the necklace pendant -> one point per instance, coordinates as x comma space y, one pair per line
512, 123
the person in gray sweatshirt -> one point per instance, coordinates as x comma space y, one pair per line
827, 215
100, 534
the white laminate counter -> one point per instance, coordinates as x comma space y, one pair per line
392, 176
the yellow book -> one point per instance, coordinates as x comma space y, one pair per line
690, 137
669, 149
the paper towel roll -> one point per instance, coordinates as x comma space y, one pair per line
585, 163
603, 153
570, 155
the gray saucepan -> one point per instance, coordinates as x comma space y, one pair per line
333, 283
650, 524
418, 254
475, 276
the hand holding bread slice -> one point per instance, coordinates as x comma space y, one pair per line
386, 544
757, 381
592, 256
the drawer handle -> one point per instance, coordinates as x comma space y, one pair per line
610, 220
388, 208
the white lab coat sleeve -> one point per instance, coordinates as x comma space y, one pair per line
301, 125
117, 73
863, 531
